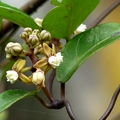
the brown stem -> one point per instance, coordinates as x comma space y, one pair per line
62, 91
50, 81
47, 93
69, 110
28, 8
43, 102
105, 13
111, 105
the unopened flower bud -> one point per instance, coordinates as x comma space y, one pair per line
37, 49
28, 30
38, 78
45, 35
80, 29
12, 76
36, 31
38, 22
13, 48
24, 35
8, 56
33, 40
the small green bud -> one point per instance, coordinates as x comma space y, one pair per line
28, 30
33, 40
36, 31
24, 35
9, 56
37, 49
45, 35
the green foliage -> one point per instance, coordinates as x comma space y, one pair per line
67, 16
17, 16
77, 50
9, 97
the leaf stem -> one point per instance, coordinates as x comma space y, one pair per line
111, 105
105, 13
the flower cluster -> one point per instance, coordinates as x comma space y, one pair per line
42, 52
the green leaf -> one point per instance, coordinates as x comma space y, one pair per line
77, 50
9, 97
64, 19
17, 16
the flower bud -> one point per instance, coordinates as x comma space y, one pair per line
28, 30
24, 35
12, 76
13, 48
45, 35
9, 56
38, 78
37, 49
33, 40
38, 22
36, 31
80, 29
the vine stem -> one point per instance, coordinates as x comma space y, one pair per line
47, 93
62, 91
111, 105
105, 13
50, 81
69, 110
43, 102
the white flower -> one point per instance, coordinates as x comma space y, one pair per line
55, 61
59, 56
38, 77
12, 76
80, 29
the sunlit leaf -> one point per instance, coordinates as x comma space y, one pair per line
67, 16
77, 50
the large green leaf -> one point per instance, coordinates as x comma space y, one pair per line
77, 50
17, 16
9, 97
67, 16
